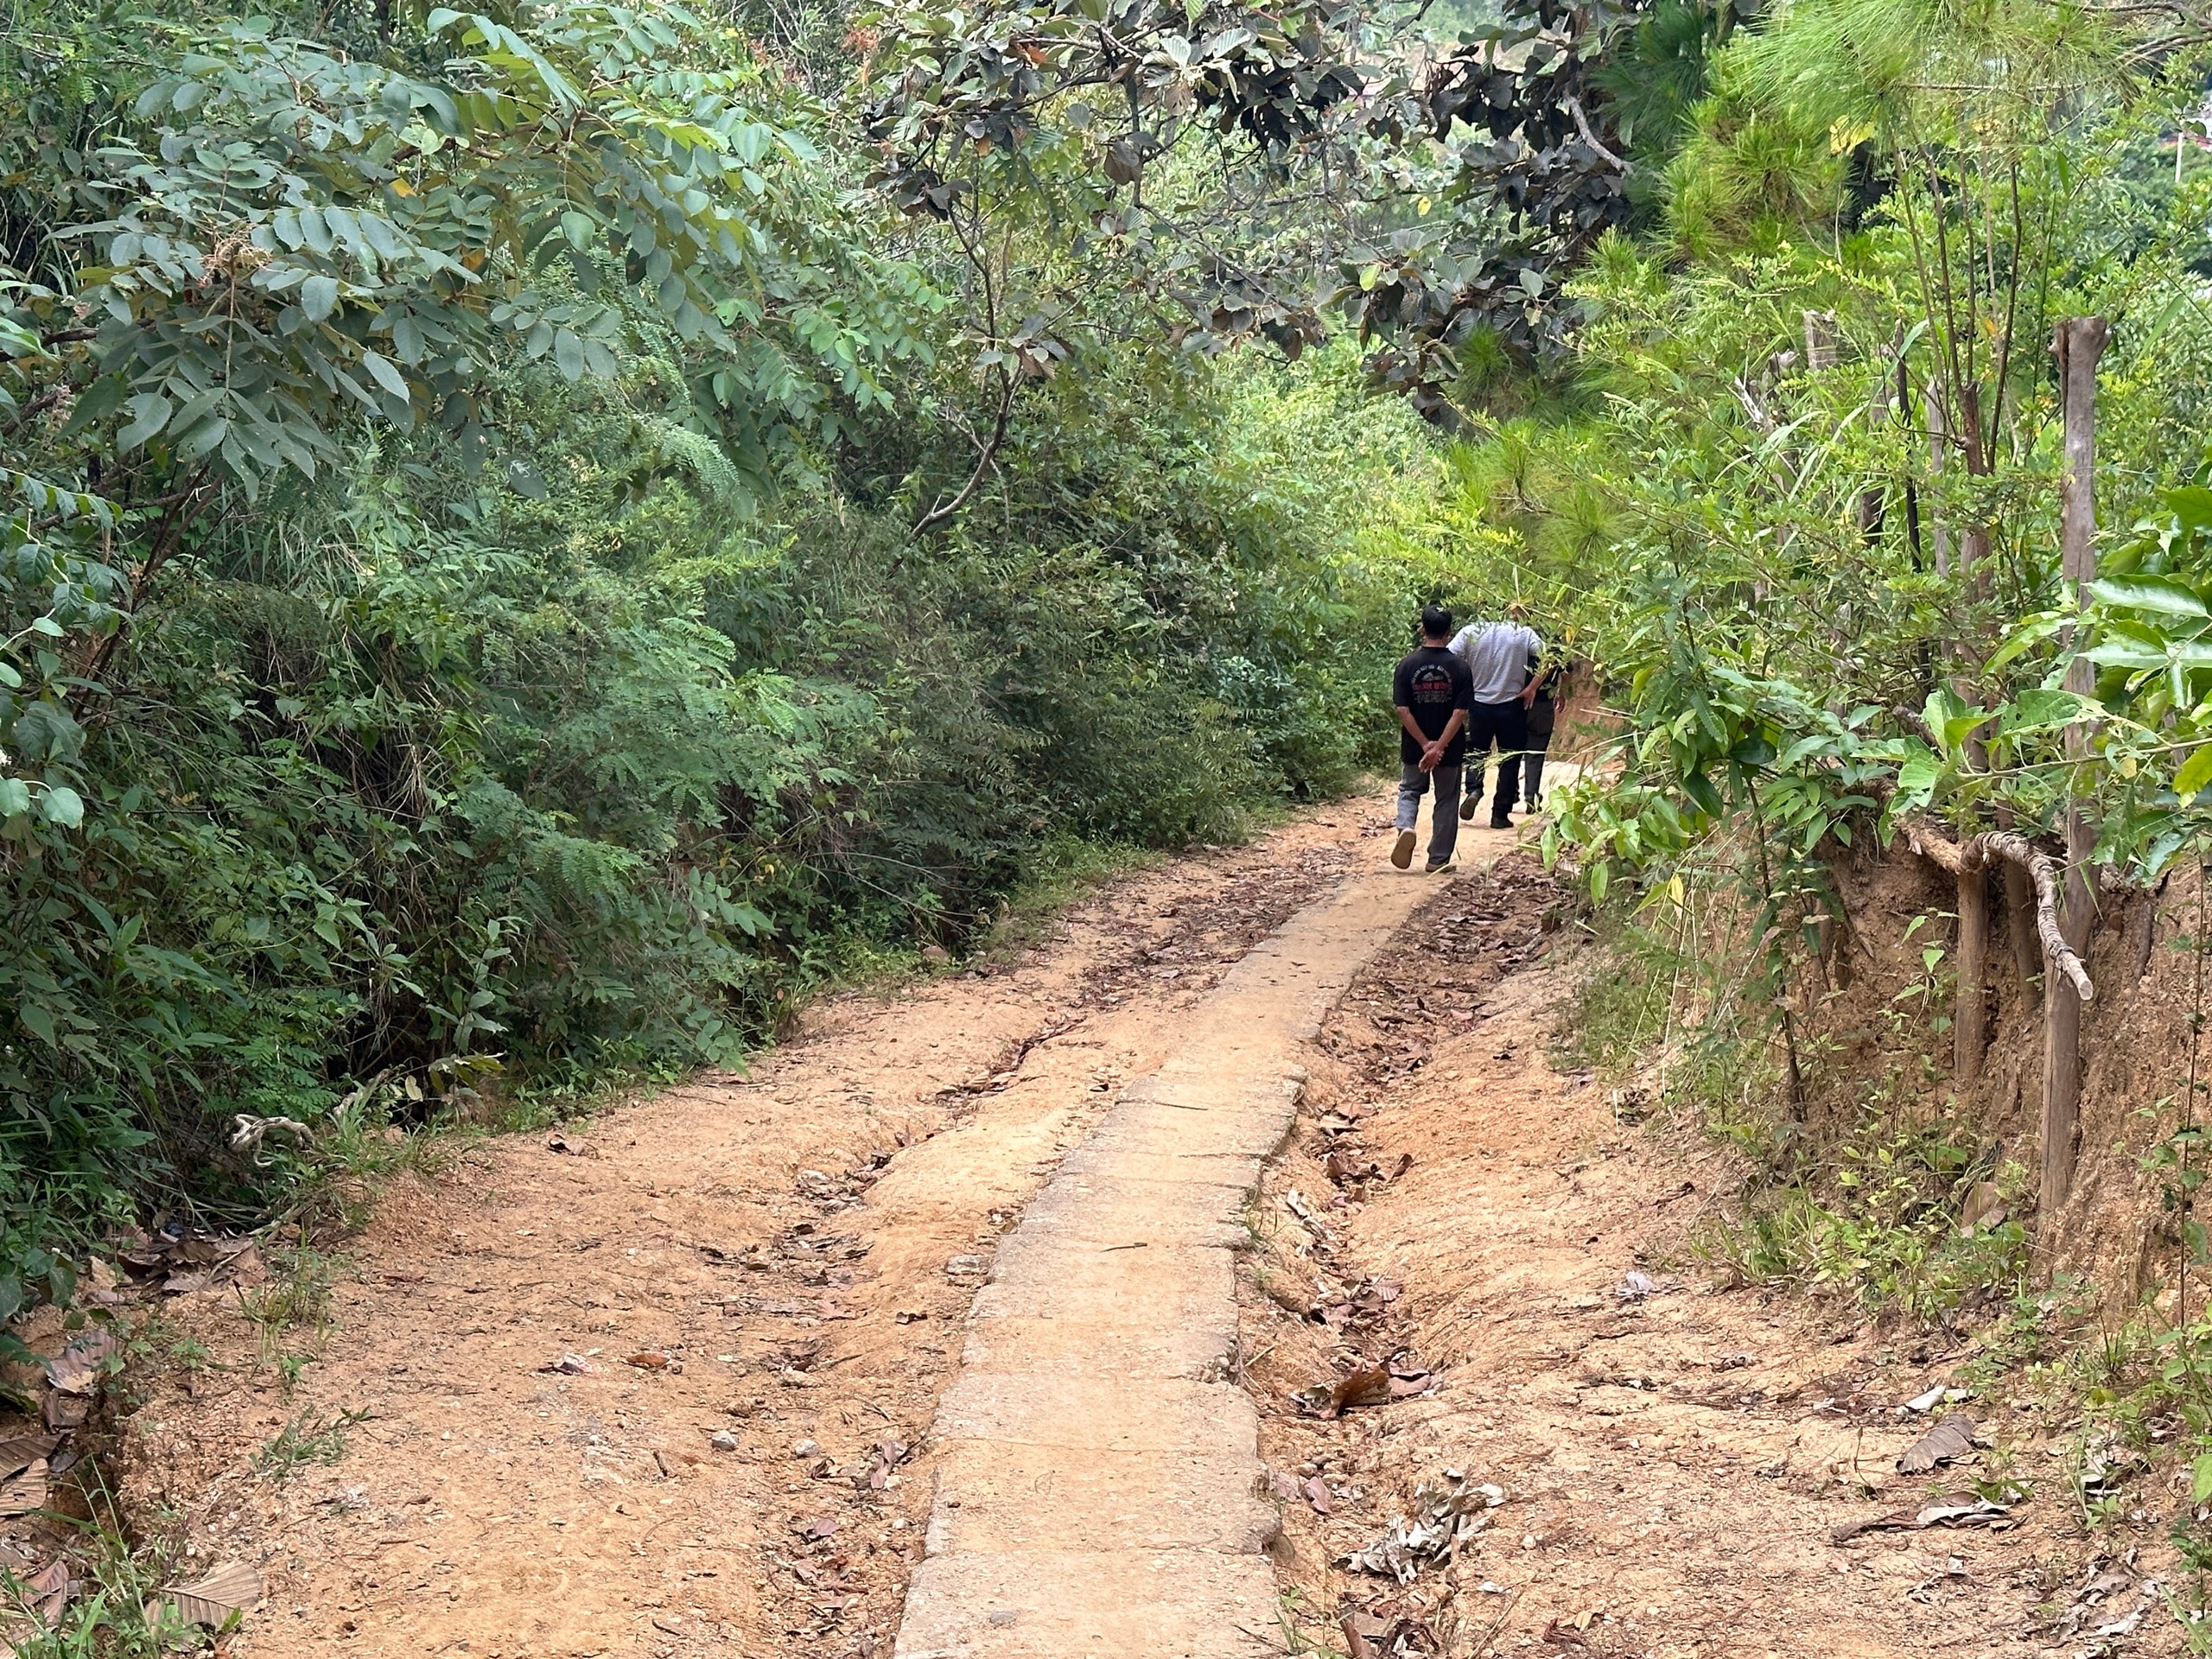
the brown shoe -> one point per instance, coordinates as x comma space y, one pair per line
1402, 854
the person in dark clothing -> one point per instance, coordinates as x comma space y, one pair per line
1543, 715
1434, 691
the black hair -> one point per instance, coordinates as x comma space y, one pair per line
1436, 622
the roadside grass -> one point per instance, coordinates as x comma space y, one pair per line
1065, 870
302, 1441
118, 1610
1881, 1227
1876, 1219
293, 1307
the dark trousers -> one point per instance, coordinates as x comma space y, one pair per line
1505, 725
1542, 716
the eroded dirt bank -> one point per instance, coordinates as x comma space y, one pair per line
1672, 1458
761, 1259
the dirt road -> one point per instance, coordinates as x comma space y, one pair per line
688, 1386
781, 1261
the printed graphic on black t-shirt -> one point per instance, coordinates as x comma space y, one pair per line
1432, 682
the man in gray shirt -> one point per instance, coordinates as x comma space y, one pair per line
1498, 655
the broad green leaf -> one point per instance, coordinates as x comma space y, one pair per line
318, 297
2045, 710
202, 438
1699, 788
38, 1022
2192, 504
2196, 771
1916, 780
63, 806
2115, 654
386, 375
2032, 632
2161, 594
149, 413
15, 797
569, 354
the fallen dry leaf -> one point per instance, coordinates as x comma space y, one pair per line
1951, 1509
572, 1145
1952, 1437
1317, 1494
49, 1589
26, 1493
62, 1412
652, 1360
1366, 1385
1985, 1208
19, 1452
78, 1368
233, 1587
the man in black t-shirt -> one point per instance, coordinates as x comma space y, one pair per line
1433, 691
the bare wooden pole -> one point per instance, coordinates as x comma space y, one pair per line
2020, 922
1820, 340
2078, 343
1939, 449
1970, 1014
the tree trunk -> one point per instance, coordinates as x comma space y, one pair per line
1939, 446
2079, 342
1970, 1016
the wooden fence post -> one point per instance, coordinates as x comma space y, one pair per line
1970, 1013
2078, 343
